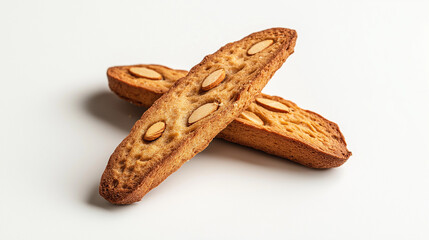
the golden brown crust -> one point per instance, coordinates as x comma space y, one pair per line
137, 166
274, 141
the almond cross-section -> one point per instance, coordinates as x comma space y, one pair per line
272, 105
144, 72
202, 112
214, 79
252, 117
259, 46
155, 131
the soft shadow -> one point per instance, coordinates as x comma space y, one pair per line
105, 106
96, 200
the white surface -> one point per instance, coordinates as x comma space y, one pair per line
364, 65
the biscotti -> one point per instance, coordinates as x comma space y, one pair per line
271, 124
185, 119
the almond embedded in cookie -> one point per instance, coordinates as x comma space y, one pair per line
155, 131
259, 46
252, 117
214, 79
202, 112
144, 72
272, 105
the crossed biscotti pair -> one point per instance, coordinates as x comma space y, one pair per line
218, 97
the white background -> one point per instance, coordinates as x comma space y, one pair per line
364, 65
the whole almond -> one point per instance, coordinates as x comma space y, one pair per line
257, 47
214, 79
144, 72
272, 105
252, 117
155, 131
202, 112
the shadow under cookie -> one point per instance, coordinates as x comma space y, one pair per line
106, 106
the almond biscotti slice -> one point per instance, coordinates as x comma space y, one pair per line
281, 129
185, 119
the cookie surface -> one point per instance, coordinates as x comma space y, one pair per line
193, 116
277, 126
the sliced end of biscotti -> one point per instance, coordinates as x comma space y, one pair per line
184, 120
278, 126
306, 126
142, 84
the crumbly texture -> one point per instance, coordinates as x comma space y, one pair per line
137, 166
299, 135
